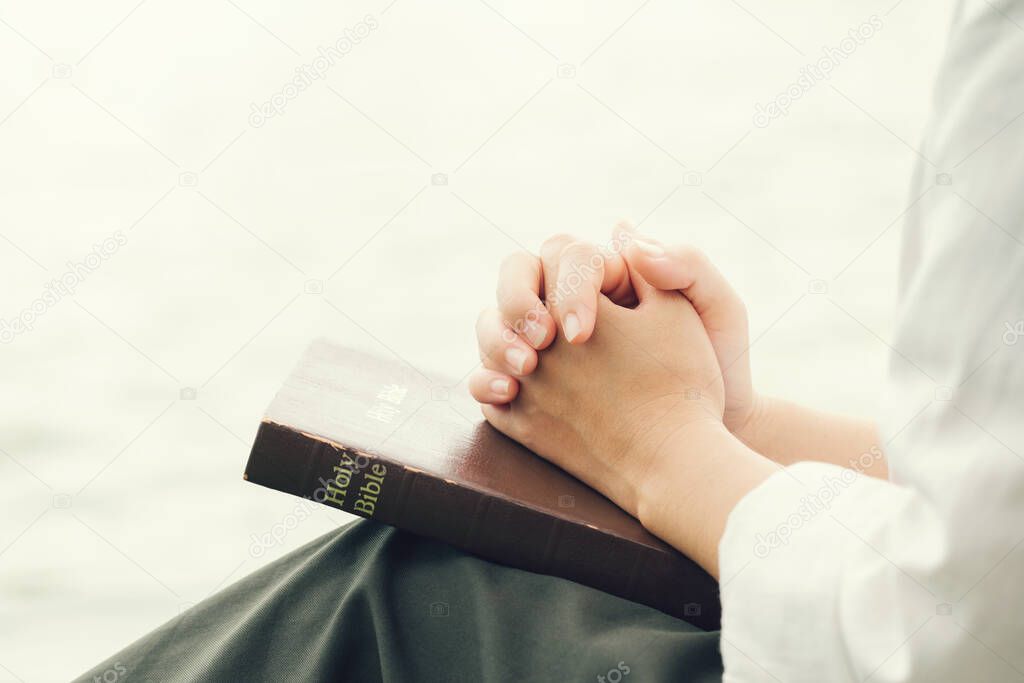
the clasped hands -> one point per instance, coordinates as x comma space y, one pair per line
626, 365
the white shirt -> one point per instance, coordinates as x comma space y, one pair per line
832, 576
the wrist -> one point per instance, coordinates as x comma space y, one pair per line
699, 475
750, 427
652, 444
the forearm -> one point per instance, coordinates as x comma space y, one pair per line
701, 472
788, 433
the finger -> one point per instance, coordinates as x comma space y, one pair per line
496, 388
500, 348
520, 282
580, 276
721, 310
643, 289
570, 271
550, 255
500, 417
616, 285
550, 250
689, 270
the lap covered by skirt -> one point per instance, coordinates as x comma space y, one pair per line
368, 602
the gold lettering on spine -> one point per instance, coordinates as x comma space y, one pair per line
337, 487
371, 489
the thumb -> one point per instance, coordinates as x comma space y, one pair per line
689, 270
644, 290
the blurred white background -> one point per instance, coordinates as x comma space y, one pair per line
374, 209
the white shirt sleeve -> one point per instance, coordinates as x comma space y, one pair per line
830, 575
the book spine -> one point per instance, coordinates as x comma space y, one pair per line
491, 527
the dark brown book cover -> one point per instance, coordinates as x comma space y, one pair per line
377, 439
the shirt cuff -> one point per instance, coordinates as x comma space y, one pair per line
781, 561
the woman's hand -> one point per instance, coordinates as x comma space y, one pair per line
572, 275
529, 288
605, 410
636, 412
688, 270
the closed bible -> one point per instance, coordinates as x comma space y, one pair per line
377, 439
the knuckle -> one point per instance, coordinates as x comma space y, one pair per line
518, 309
516, 302
519, 275
522, 427
584, 255
515, 258
482, 318
559, 239
605, 307
691, 255
491, 340
582, 263
476, 386
486, 323
577, 248
553, 245
508, 298
490, 355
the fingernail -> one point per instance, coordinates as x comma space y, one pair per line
649, 248
571, 326
516, 357
536, 333
499, 386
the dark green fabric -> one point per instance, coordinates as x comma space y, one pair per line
370, 603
